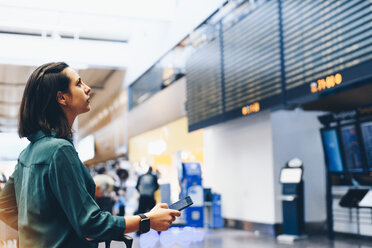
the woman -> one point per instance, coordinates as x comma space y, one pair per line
50, 196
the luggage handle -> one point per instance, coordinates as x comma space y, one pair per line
126, 239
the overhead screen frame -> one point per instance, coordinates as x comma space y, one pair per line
234, 109
365, 167
354, 74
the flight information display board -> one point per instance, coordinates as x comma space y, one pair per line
203, 75
322, 38
251, 50
351, 148
277, 53
332, 150
366, 129
146, 86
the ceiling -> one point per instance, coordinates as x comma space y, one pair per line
105, 42
92, 37
84, 33
105, 84
12, 83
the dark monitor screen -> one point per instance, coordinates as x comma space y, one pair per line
351, 147
366, 128
332, 150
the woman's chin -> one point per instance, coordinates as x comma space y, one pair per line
87, 109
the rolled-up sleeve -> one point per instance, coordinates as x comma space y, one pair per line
66, 178
8, 204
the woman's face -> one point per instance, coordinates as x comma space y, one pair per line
78, 98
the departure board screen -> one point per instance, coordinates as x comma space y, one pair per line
322, 38
147, 85
366, 128
332, 150
351, 148
203, 75
271, 53
251, 50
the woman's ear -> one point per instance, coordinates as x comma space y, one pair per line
61, 98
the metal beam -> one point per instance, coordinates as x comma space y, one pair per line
10, 103
18, 84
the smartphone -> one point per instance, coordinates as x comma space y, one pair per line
181, 204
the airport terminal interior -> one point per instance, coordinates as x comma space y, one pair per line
258, 111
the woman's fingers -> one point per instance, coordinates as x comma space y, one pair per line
162, 217
176, 213
163, 205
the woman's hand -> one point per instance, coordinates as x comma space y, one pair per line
161, 217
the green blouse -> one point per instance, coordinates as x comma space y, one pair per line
49, 198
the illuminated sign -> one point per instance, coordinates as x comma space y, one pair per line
252, 108
327, 83
365, 111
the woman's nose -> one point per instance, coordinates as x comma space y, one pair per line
88, 89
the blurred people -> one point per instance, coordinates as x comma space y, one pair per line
123, 177
49, 198
121, 191
115, 166
2, 180
147, 184
104, 189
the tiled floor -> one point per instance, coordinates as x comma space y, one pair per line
230, 238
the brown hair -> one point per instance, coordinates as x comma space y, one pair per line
39, 108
